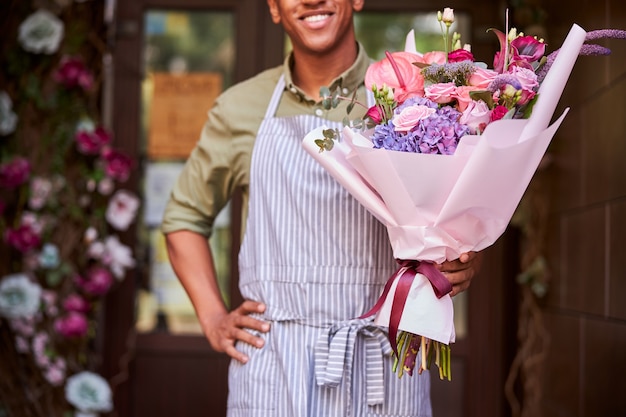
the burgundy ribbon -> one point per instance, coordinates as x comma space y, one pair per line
440, 285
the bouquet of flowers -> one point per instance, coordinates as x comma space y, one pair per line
443, 159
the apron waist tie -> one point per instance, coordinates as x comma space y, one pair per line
334, 352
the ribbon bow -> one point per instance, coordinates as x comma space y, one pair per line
334, 351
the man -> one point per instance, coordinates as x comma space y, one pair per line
312, 259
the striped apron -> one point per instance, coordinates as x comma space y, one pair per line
318, 260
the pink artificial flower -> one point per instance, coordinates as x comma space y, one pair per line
441, 93
117, 256
97, 281
117, 164
106, 186
398, 72
73, 73
122, 209
527, 78
14, 173
55, 375
498, 113
74, 302
72, 325
24, 238
92, 142
408, 118
459, 55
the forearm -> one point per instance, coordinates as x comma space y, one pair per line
192, 261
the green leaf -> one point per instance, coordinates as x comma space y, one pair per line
484, 95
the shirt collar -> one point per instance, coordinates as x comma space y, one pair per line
349, 80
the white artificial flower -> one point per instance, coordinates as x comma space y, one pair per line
19, 296
122, 209
89, 392
41, 32
117, 256
8, 118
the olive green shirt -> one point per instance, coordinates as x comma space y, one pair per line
220, 161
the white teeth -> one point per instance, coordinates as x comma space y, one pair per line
316, 18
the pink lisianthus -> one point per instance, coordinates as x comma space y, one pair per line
476, 116
116, 164
14, 173
409, 116
72, 325
74, 302
459, 55
73, 73
122, 209
92, 142
498, 113
441, 93
401, 75
24, 238
98, 281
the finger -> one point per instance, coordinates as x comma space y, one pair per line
249, 306
235, 354
247, 322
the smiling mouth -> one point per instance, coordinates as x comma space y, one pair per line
316, 18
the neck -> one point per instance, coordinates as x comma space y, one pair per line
311, 71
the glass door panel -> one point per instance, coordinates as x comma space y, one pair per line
188, 60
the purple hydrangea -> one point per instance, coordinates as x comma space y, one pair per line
437, 134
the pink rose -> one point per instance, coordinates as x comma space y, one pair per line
482, 77
402, 76
526, 77
97, 282
117, 164
72, 325
441, 93
459, 55
462, 96
476, 116
14, 173
408, 118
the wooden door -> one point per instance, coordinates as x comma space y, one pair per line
166, 368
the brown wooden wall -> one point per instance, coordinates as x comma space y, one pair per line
585, 309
